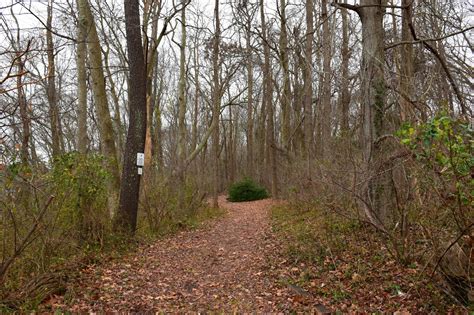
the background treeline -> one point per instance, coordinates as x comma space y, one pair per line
364, 106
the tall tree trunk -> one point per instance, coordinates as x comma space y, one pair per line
82, 139
261, 119
182, 111
106, 130
377, 188
158, 133
308, 83
373, 108
406, 84
216, 105
24, 115
117, 121
298, 99
130, 187
157, 138
285, 99
116, 101
231, 150
345, 94
267, 99
249, 64
194, 131
56, 136
151, 63
325, 112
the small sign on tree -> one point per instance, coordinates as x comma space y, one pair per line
140, 159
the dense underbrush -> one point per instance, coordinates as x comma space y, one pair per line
425, 218
57, 220
347, 264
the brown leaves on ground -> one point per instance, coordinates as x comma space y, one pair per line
349, 266
222, 267
235, 264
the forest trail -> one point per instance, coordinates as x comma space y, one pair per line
229, 266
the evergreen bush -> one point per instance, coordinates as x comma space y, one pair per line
246, 190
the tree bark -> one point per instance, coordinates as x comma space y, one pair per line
106, 130
345, 94
249, 65
117, 121
57, 143
152, 55
308, 85
194, 131
406, 66
299, 67
285, 98
373, 108
377, 186
158, 134
130, 186
182, 111
82, 139
216, 105
267, 99
325, 112
119, 133
24, 115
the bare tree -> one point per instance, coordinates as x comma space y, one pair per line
269, 106
82, 139
100, 96
126, 220
285, 98
372, 94
308, 82
216, 105
325, 103
56, 135
182, 108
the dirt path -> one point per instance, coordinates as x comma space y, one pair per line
226, 267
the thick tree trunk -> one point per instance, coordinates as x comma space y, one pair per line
130, 187
372, 73
377, 187
373, 109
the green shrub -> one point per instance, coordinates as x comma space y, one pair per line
79, 183
246, 190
